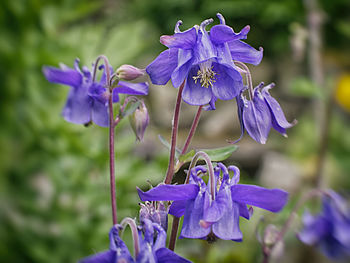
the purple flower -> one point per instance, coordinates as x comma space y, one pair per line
87, 100
330, 229
259, 114
150, 248
204, 61
207, 212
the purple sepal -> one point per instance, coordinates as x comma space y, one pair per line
269, 199
166, 192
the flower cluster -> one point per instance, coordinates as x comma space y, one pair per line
215, 208
329, 230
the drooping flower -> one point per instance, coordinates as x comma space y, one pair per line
215, 208
330, 229
87, 100
149, 248
204, 60
261, 113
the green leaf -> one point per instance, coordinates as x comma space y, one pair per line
168, 146
220, 154
184, 158
130, 109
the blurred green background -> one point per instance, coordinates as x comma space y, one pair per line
54, 188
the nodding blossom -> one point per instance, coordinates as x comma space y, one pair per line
261, 113
87, 99
203, 61
329, 230
214, 209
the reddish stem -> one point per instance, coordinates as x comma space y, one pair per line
175, 125
112, 158
193, 130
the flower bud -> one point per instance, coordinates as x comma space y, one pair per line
129, 72
139, 121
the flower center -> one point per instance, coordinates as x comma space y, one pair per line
205, 75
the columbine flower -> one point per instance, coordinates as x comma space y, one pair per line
330, 229
87, 100
204, 61
215, 208
262, 112
150, 248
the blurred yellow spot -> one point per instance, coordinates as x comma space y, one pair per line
342, 94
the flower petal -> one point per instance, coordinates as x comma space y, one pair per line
78, 106
162, 67
118, 246
165, 255
279, 121
193, 93
221, 33
132, 88
100, 114
244, 211
183, 40
166, 192
191, 227
243, 52
269, 199
215, 210
257, 118
177, 208
315, 228
227, 227
66, 76
204, 49
102, 257
225, 86
184, 65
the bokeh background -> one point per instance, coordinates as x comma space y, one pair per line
54, 188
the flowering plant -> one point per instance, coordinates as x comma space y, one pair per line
205, 66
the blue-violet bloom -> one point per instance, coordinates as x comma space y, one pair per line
330, 229
151, 247
207, 213
204, 61
260, 113
87, 100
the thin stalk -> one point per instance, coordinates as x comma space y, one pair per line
112, 158
176, 220
192, 130
248, 78
175, 125
134, 232
111, 133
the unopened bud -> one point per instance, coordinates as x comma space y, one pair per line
129, 72
139, 121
